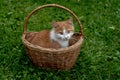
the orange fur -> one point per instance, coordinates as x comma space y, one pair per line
42, 39
64, 25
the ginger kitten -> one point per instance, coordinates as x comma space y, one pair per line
57, 37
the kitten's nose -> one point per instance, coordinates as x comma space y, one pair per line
66, 37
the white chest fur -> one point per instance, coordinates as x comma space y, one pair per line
63, 43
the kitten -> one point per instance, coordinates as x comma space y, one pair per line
57, 37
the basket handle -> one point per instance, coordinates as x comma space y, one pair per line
52, 5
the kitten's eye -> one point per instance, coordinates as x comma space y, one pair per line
61, 32
68, 31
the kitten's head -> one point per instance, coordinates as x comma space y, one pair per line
64, 29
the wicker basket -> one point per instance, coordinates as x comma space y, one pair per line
57, 59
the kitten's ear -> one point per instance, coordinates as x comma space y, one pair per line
70, 21
54, 24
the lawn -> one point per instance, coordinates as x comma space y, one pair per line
99, 58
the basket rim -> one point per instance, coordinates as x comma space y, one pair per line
36, 47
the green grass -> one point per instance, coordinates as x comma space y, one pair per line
99, 58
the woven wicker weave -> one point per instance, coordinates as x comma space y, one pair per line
58, 59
